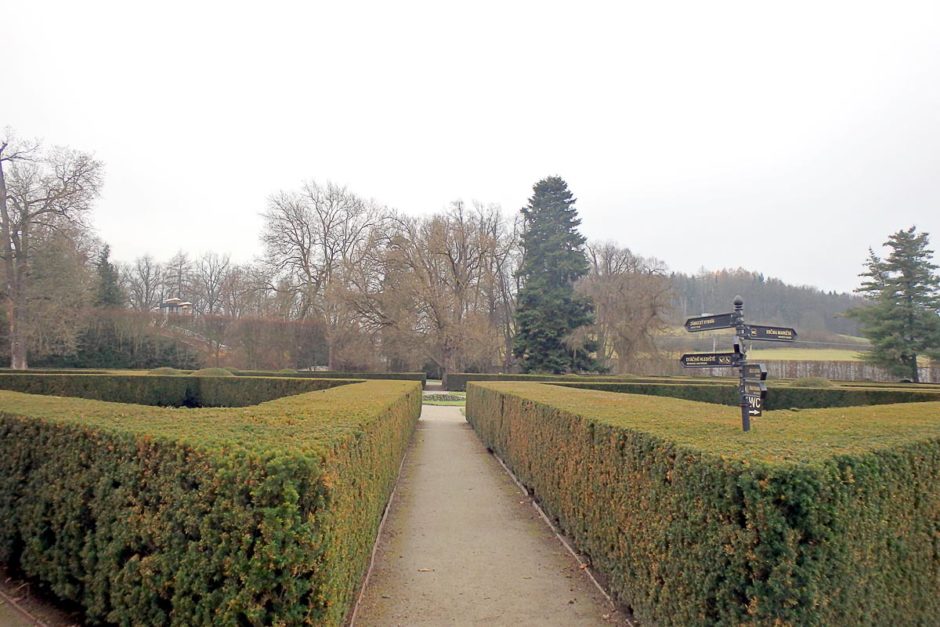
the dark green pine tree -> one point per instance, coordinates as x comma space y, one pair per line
548, 310
902, 318
109, 293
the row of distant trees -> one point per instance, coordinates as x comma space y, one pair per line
386, 290
346, 283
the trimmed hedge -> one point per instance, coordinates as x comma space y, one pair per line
829, 517
58, 371
251, 516
301, 374
896, 385
212, 372
314, 374
457, 382
778, 397
165, 390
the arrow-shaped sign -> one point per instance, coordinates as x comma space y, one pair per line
770, 334
710, 360
707, 323
755, 371
755, 388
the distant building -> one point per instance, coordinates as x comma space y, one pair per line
176, 306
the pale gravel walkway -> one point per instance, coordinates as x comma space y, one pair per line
463, 546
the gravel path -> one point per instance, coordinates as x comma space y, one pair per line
462, 544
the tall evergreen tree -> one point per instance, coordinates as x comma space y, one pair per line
902, 319
109, 293
548, 310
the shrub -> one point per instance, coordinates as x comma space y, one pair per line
256, 516
322, 374
163, 370
778, 397
166, 391
457, 381
212, 372
826, 518
811, 382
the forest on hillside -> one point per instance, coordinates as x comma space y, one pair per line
766, 300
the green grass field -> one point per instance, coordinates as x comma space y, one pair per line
805, 354
451, 399
814, 354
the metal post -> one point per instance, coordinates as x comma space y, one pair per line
742, 363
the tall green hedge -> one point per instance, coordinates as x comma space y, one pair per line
779, 396
164, 390
262, 515
457, 381
321, 374
829, 517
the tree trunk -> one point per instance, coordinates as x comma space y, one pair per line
915, 374
17, 334
15, 269
14, 275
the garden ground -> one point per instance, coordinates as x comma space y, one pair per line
463, 544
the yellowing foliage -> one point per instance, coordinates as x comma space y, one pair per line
816, 517
260, 515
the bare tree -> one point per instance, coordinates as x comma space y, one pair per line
243, 291
631, 296
310, 237
177, 276
144, 280
209, 281
38, 188
499, 273
61, 288
444, 281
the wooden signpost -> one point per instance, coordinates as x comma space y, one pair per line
751, 387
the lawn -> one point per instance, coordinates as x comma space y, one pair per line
805, 354
450, 399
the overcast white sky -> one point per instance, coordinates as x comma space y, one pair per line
782, 137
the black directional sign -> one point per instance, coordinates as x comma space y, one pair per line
770, 334
751, 386
707, 323
755, 405
755, 371
710, 360
755, 388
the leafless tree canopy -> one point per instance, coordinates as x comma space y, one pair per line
632, 298
41, 190
343, 283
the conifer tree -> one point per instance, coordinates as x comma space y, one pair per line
109, 293
902, 319
548, 310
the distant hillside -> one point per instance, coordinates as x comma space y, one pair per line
812, 311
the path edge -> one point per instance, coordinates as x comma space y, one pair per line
583, 565
378, 536
11, 602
